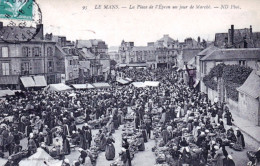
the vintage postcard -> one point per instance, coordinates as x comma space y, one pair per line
129, 82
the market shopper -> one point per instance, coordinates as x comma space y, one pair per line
110, 149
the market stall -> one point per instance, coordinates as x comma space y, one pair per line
152, 83
40, 158
139, 84
57, 87
101, 85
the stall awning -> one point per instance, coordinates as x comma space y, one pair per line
28, 82
82, 86
6, 92
128, 79
40, 81
58, 87
122, 81
101, 85
152, 83
139, 84
122, 65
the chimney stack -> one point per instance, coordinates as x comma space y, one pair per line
1, 25
251, 31
232, 34
198, 39
39, 35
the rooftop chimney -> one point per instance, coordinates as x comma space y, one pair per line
198, 39
251, 31
39, 29
232, 34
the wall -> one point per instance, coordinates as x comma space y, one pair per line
248, 107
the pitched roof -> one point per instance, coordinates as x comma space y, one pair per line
251, 86
231, 54
188, 54
208, 50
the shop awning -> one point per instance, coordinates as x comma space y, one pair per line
6, 92
139, 84
58, 87
28, 82
40, 81
122, 81
101, 85
152, 83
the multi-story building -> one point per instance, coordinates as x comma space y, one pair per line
66, 59
161, 53
26, 59
94, 62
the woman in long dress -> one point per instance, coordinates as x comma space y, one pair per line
66, 146
103, 141
110, 149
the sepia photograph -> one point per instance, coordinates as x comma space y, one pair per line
129, 83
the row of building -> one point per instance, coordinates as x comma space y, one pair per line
194, 59
162, 53
54, 58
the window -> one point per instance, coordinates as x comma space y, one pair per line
71, 62
25, 52
25, 68
49, 51
132, 59
6, 68
50, 66
242, 62
36, 51
5, 52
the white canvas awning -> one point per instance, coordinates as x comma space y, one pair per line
27, 82
122, 81
58, 87
39, 159
152, 83
6, 92
139, 84
40, 81
101, 85
128, 79
83, 86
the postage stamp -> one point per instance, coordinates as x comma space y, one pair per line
16, 9
22, 19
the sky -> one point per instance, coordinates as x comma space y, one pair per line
68, 18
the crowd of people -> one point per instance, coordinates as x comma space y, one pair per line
50, 120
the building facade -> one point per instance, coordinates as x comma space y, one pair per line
32, 58
94, 62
